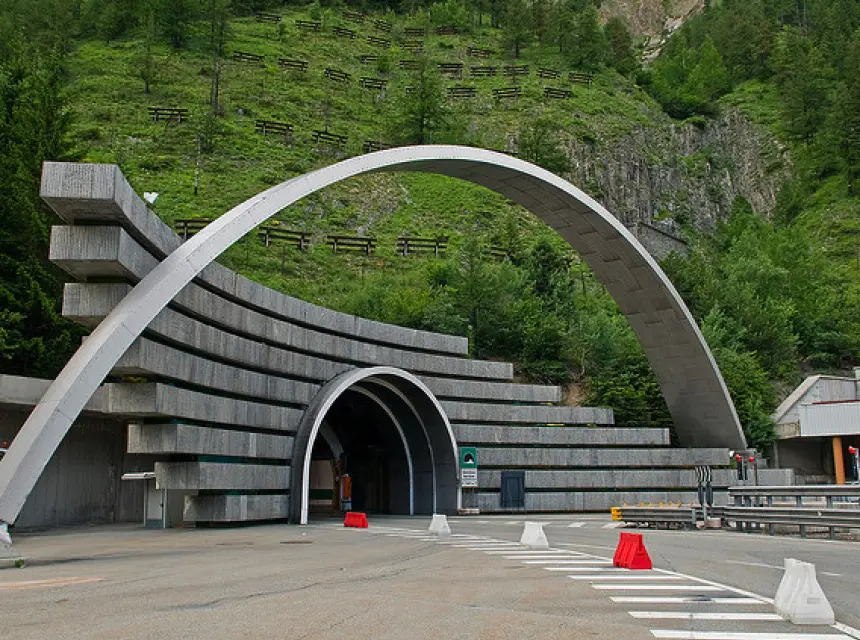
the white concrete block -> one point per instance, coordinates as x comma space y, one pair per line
533, 536
786, 587
808, 604
439, 525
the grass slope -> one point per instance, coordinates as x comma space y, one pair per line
111, 124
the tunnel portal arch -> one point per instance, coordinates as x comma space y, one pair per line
428, 440
697, 398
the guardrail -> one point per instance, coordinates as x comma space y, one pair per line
686, 515
747, 511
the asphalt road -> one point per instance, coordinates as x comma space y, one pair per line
393, 581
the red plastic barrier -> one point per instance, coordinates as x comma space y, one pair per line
623, 541
355, 519
631, 553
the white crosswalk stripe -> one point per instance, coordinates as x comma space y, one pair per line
656, 587
705, 615
672, 634
557, 560
686, 600
626, 576
576, 525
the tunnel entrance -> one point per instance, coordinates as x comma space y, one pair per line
374, 440
360, 459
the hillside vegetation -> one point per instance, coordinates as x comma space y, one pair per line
773, 296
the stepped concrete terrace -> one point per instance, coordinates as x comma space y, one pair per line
252, 404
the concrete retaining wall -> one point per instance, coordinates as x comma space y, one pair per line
82, 482
571, 436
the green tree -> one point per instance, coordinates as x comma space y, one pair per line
590, 50
539, 142
709, 78
620, 46
33, 128
423, 112
845, 115
516, 26
802, 78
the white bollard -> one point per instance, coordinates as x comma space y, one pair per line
439, 525
808, 604
533, 536
786, 587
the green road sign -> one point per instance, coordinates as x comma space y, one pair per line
468, 458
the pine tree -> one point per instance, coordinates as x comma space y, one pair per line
620, 46
802, 77
590, 50
845, 115
423, 110
516, 26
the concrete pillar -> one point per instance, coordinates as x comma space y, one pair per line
838, 460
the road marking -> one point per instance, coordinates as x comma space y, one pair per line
742, 635
52, 582
529, 554
773, 566
624, 576
496, 550
613, 525
851, 631
587, 546
575, 525
683, 600
706, 615
656, 587
547, 560
600, 569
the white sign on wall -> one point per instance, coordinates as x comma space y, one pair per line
468, 477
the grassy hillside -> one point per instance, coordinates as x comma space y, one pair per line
111, 124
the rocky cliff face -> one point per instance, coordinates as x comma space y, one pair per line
651, 20
678, 174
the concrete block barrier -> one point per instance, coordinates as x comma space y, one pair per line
439, 525
799, 598
533, 536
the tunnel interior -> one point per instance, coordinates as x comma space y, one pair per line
360, 460
374, 440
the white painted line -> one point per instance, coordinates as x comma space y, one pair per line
484, 549
683, 600
586, 546
705, 615
851, 631
599, 569
549, 553
512, 522
614, 570
742, 635
656, 587
626, 576
550, 560
777, 568
613, 525
576, 525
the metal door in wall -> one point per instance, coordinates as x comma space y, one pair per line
513, 490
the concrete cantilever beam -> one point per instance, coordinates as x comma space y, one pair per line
691, 383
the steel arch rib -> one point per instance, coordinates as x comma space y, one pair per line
691, 383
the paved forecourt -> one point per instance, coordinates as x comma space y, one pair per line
395, 580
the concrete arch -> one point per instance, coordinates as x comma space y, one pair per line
691, 383
431, 448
